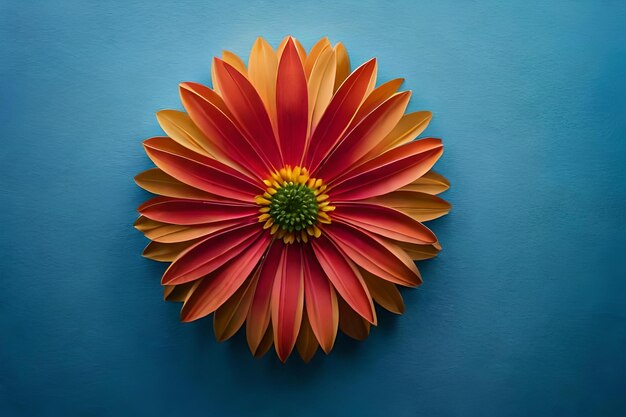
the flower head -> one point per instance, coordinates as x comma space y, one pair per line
292, 196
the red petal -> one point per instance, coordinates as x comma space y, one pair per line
339, 113
259, 313
384, 221
248, 109
321, 301
365, 136
388, 172
292, 105
199, 171
345, 277
210, 254
187, 212
213, 290
373, 256
287, 300
210, 114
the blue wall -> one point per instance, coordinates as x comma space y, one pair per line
522, 314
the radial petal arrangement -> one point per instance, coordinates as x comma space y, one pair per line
291, 197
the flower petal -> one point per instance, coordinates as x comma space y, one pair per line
287, 300
408, 128
267, 340
178, 293
179, 126
320, 301
314, 54
320, 85
365, 136
166, 252
373, 256
299, 48
213, 290
172, 233
259, 313
235, 62
306, 342
385, 293
210, 114
345, 277
379, 95
339, 113
343, 65
188, 212
262, 69
420, 252
158, 182
292, 105
420, 206
199, 171
249, 111
430, 183
229, 318
351, 323
211, 254
389, 171
384, 221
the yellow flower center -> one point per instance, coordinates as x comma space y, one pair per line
294, 205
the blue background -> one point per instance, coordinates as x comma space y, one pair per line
522, 314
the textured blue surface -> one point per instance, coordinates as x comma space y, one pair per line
522, 314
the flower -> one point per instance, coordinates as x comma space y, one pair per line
291, 197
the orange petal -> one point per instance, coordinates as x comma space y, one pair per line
373, 256
235, 62
211, 254
365, 136
351, 323
314, 53
430, 183
292, 105
179, 126
262, 69
287, 300
420, 206
345, 277
385, 293
177, 293
339, 113
201, 172
259, 313
407, 129
213, 290
230, 316
267, 339
320, 302
166, 252
384, 221
210, 114
188, 212
306, 343
172, 233
389, 171
158, 182
249, 111
420, 252
379, 95
343, 65
320, 85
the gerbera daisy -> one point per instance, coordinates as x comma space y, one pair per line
291, 197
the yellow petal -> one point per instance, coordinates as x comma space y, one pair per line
262, 69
